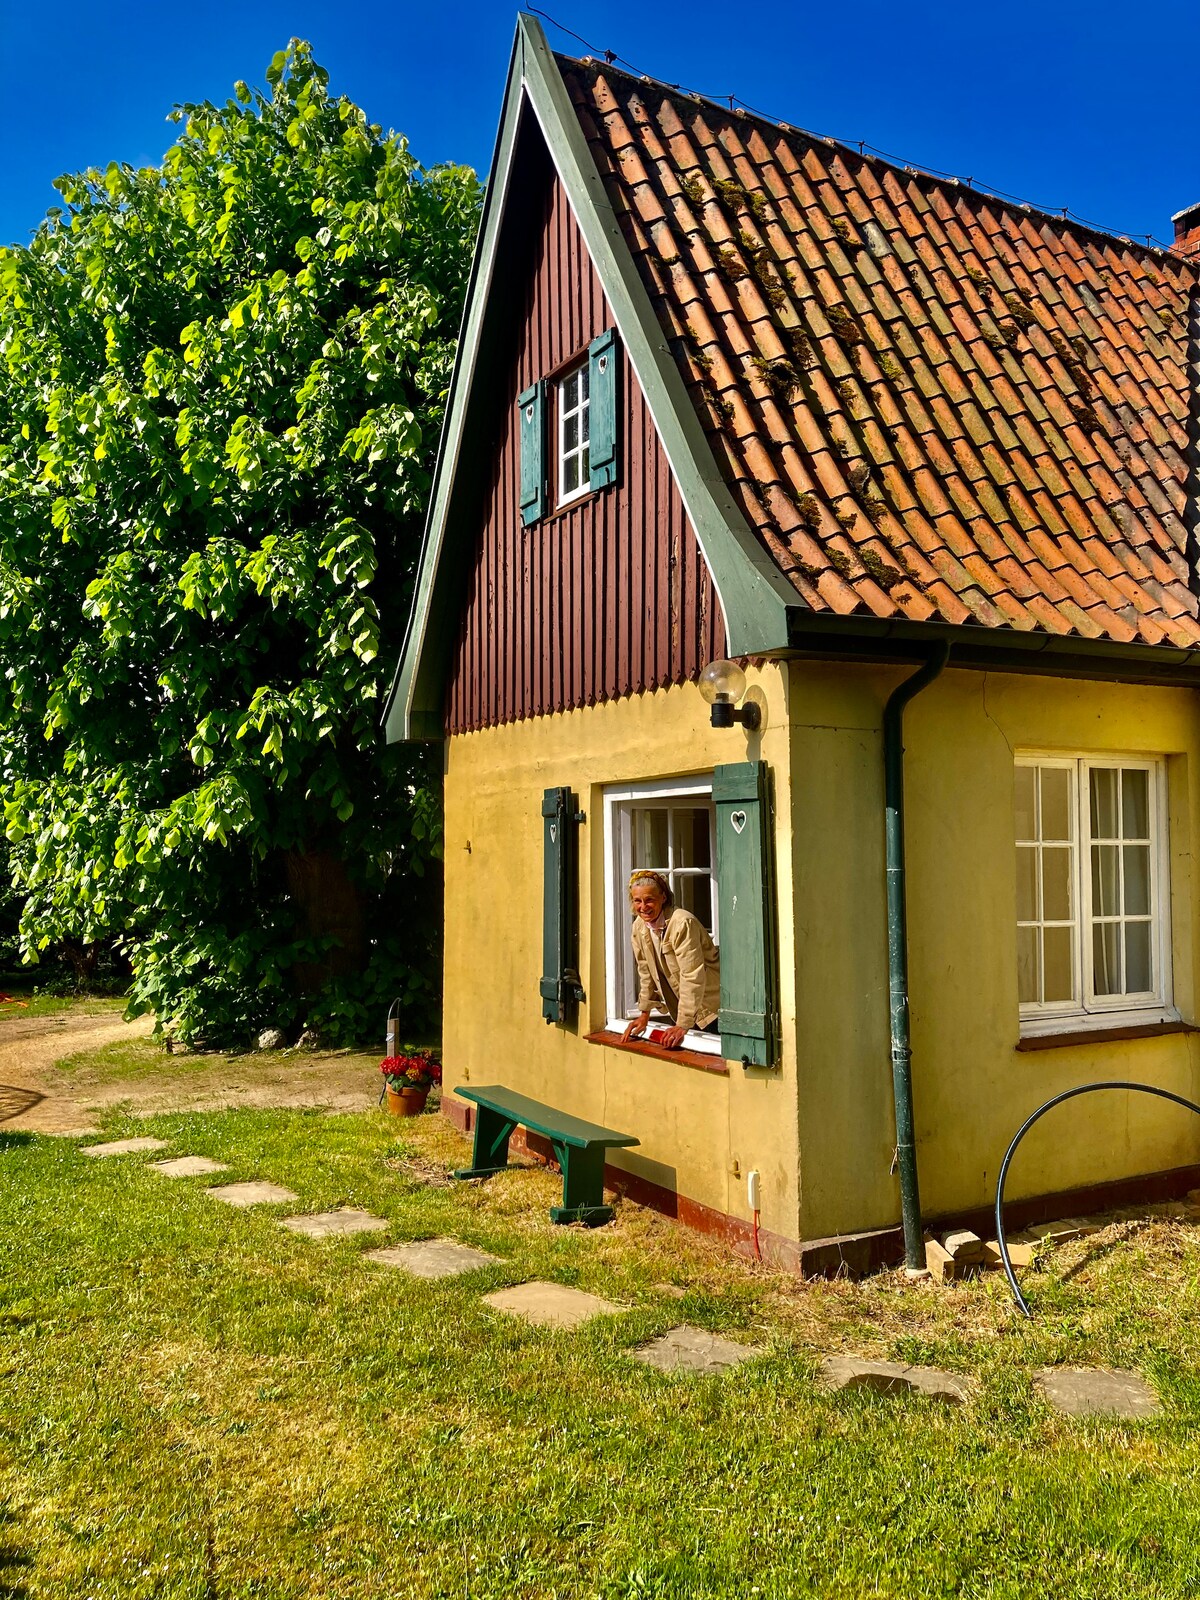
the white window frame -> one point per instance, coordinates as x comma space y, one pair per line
583, 410
619, 801
1088, 1009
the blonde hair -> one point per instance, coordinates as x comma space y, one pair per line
645, 875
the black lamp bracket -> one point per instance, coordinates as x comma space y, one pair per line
725, 714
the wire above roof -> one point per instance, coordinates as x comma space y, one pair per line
734, 102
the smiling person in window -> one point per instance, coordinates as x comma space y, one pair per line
678, 966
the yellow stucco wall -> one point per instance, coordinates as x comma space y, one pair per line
972, 1087
820, 1131
694, 1126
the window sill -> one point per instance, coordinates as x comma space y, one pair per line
638, 1047
558, 512
1136, 1030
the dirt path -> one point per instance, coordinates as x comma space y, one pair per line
37, 1095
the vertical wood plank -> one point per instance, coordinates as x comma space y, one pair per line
509, 533
607, 598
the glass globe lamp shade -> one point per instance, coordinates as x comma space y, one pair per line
722, 682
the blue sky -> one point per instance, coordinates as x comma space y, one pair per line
1059, 104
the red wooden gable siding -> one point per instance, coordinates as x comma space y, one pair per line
607, 597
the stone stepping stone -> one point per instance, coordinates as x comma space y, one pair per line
687, 1349
893, 1377
251, 1194
1097, 1392
188, 1167
550, 1305
123, 1147
433, 1258
332, 1224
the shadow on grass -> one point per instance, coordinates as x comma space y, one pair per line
11, 1561
15, 1102
10, 1141
1098, 1252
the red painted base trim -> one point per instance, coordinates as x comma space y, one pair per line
458, 1113
854, 1254
733, 1232
1147, 1189
859, 1253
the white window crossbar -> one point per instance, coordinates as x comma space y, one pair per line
666, 827
1093, 899
574, 431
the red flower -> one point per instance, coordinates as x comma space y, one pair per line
417, 1070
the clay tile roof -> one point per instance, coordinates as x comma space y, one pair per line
929, 403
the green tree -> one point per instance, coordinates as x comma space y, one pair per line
222, 382
10, 913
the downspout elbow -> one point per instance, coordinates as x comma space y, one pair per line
897, 934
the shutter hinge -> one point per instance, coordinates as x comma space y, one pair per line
571, 987
772, 1020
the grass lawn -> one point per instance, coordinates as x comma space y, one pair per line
22, 1000
195, 1403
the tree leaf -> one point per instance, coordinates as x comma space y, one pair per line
211, 440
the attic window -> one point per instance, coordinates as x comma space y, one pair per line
574, 435
567, 430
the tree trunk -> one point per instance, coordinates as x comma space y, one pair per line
82, 960
329, 904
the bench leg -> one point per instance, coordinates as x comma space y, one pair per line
583, 1186
492, 1133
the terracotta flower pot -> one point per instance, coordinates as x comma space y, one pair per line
407, 1102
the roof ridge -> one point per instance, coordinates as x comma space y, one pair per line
861, 151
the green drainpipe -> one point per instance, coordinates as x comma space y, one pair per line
893, 787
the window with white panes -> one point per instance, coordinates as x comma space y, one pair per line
1093, 900
668, 828
574, 463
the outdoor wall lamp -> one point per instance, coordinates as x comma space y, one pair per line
723, 683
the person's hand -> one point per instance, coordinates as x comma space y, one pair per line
637, 1026
672, 1038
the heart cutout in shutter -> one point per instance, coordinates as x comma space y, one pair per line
553, 832
738, 818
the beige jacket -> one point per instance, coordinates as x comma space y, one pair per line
687, 980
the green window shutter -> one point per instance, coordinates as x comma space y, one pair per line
531, 412
603, 365
746, 908
560, 987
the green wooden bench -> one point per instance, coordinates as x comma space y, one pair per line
578, 1147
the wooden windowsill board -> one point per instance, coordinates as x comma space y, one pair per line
639, 1047
558, 512
1139, 1030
